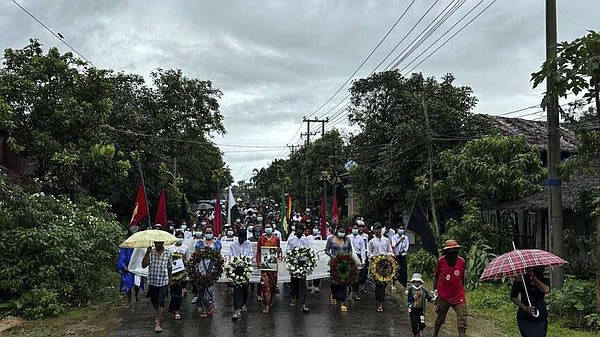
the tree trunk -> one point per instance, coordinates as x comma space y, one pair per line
598, 264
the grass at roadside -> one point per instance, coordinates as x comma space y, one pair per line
92, 320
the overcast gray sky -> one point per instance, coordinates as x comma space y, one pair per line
276, 61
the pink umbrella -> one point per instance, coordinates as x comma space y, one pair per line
516, 262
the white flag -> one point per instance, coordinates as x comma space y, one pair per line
230, 204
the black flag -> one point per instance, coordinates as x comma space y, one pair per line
418, 223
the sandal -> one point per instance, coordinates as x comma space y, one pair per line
380, 309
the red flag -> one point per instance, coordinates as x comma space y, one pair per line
323, 218
335, 215
217, 220
140, 210
161, 211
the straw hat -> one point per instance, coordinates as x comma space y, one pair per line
451, 244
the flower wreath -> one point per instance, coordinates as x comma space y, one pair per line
343, 269
238, 270
383, 268
182, 275
301, 261
193, 268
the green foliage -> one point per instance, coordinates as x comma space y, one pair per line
422, 261
577, 67
392, 146
592, 321
490, 296
471, 229
84, 129
493, 168
574, 300
54, 251
477, 258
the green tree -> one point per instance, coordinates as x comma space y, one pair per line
392, 146
578, 67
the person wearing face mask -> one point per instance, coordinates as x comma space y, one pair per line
364, 272
416, 298
379, 245
298, 284
360, 248
129, 281
313, 285
159, 262
228, 230
276, 232
449, 285
181, 252
400, 243
268, 278
338, 244
206, 294
241, 247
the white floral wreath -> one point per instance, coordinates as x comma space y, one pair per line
238, 270
301, 261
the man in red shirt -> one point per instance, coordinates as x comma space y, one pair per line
449, 282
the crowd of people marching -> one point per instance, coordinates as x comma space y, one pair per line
261, 225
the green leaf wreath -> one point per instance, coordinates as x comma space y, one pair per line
343, 269
216, 264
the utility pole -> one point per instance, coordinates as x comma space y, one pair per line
293, 148
307, 134
554, 181
314, 120
436, 225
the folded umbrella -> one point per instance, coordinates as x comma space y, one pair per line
144, 239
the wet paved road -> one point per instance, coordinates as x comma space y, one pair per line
324, 319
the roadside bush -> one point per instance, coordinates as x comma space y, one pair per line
422, 261
574, 300
490, 296
477, 258
55, 253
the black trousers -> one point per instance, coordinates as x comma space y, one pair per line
339, 292
362, 278
415, 320
298, 287
240, 296
380, 292
176, 296
402, 275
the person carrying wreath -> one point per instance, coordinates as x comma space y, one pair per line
268, 278
242, 247
206, 292
298, 284
532, 319
379, 245
338, 244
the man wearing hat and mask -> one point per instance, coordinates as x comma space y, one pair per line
449, 284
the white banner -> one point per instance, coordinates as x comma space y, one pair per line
321, 271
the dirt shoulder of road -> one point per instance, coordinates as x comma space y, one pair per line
94, 320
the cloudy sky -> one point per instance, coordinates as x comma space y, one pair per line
277, 61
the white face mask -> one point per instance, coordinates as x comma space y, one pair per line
417, 287
229, 233
401, 231
315, 231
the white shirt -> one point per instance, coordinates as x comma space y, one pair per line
295, 242
244, 249
183, 249
358, 245
380, 246
277, 233
314, 237
400, 244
